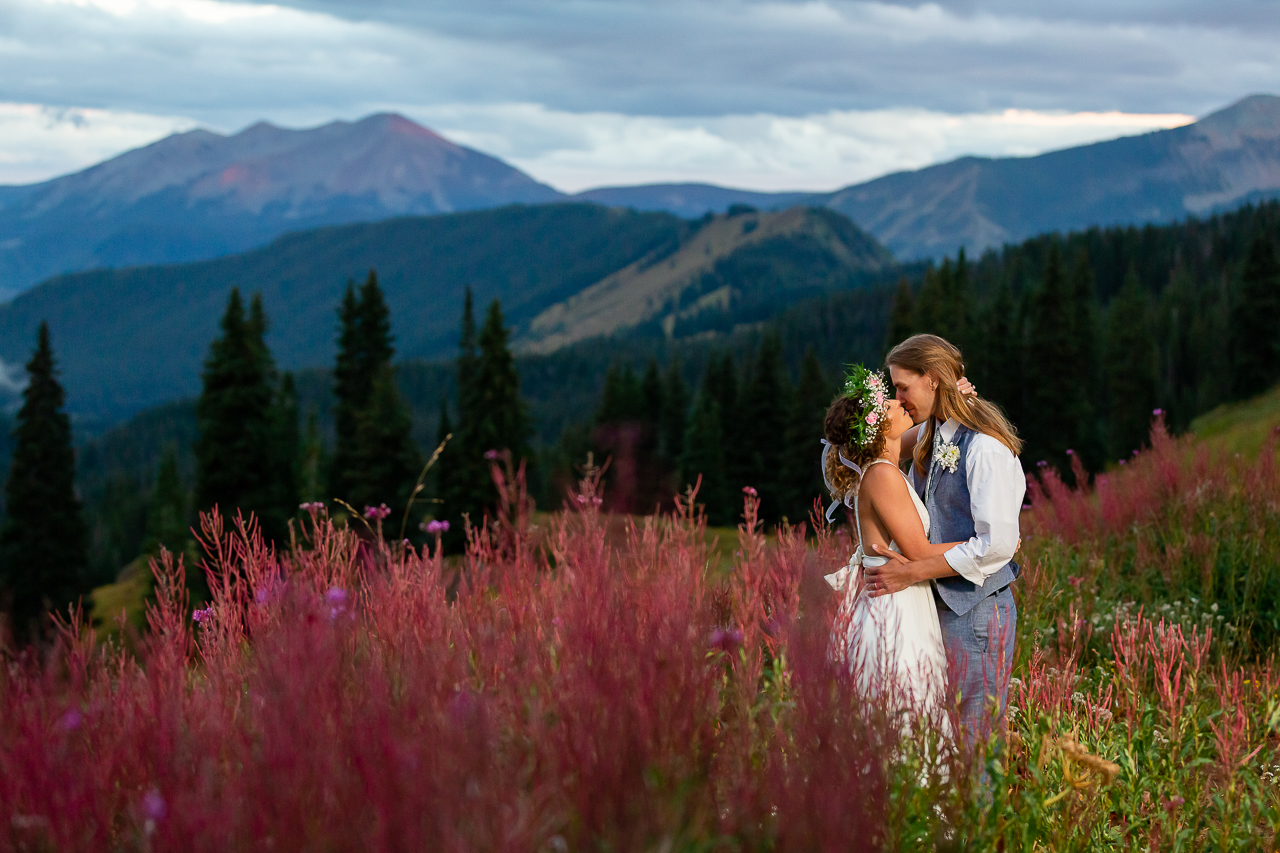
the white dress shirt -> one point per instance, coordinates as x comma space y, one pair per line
997, 487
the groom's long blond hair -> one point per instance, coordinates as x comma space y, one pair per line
938, 359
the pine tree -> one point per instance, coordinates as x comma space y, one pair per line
721, 383
704, 454
235, 452
801, 474
504, 425
311, 461
932, 314
288, 447
766, 401
1255, 321
386, 460
461, 475
1088, 442
349, 390
1130, 368
167, 522
675, 413
650, 399
998, 360
1057, 402
491, 414
364, 350
43, 542
902, 323
444, 469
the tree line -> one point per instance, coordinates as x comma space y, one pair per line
1080, 337
251, 455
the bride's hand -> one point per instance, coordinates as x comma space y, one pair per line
966, 388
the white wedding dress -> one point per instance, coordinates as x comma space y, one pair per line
891, 643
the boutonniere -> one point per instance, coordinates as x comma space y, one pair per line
947, 455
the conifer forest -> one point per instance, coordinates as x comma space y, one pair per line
397, 604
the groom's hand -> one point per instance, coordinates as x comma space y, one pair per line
894, 576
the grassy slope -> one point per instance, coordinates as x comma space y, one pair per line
1241, 427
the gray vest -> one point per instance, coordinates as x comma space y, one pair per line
946, 496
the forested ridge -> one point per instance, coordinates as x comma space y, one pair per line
1080, 337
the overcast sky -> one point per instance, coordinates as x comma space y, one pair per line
770, 95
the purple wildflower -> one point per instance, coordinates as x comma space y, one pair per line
154, 806
726, 639
435, 527
747, 490
377, 513
71, 720
491, 455
336, 595
201, 615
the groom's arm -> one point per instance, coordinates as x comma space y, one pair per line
997, 487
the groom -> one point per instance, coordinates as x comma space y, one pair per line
967, 472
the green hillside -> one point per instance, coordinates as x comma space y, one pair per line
131, 338
1241, 427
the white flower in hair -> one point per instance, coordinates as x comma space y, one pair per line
947, 455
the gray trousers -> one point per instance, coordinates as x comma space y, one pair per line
979, 660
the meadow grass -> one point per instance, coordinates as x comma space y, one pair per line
585, 682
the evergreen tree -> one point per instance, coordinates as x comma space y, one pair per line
349, 389
1056, 398
288, 450
1130, 368
650, 398
444, 469
504, 425
704, 454
491, 416
902, 324
167, 522
675, 411
999, 360
43, 542
364, 350
1088, 442
766, 401
236, 466
801, 472
721, 382
386, 460
1255, 321
620, 400
311, 462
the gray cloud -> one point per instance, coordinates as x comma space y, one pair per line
538, 80
688, 58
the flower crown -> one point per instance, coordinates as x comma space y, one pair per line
869, 385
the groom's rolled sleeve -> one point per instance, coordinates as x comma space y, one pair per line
996, 489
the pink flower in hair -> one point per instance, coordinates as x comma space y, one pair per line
873, 419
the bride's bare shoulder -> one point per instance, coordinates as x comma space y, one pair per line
882, 479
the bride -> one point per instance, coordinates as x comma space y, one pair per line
893, 643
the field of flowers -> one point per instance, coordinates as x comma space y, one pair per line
562, 690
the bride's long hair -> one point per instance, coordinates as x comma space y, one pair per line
930, 355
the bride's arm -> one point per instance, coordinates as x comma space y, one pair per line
889, 495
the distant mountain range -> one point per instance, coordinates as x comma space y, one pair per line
131, 338
200, 195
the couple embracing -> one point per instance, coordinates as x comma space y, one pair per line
927, 616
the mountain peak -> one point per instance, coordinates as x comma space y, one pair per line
1254, 117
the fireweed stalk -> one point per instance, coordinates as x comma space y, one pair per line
559, 689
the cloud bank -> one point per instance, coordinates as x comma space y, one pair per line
761, 93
